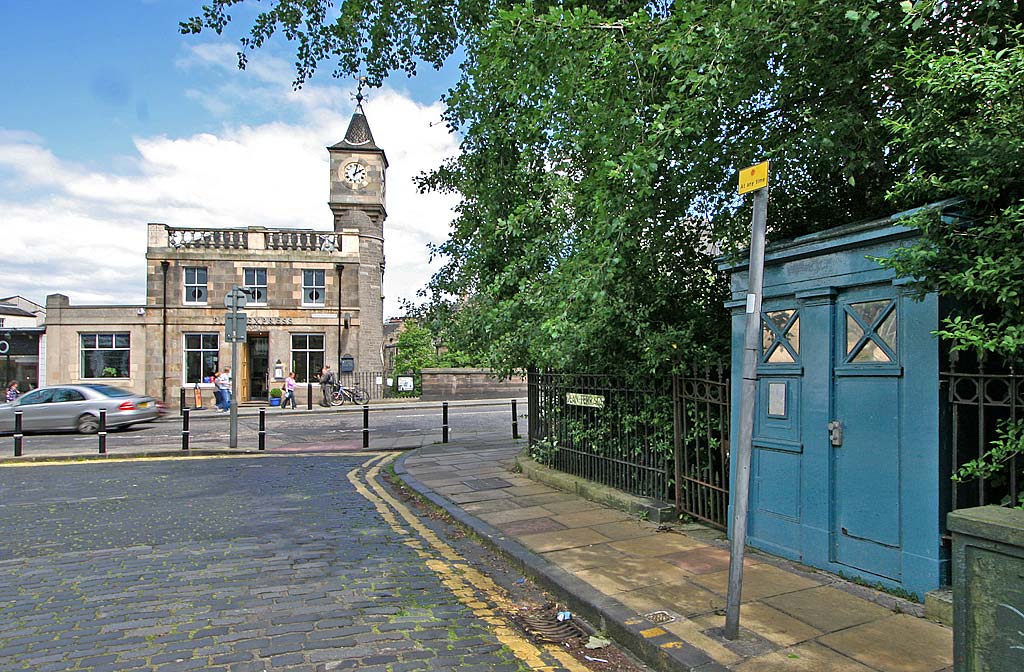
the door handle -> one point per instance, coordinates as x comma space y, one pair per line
835, 433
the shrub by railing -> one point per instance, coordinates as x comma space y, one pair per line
594, 427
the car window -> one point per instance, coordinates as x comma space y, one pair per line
67, 394
36, 397
109, 390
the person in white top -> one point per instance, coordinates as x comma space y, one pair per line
224, 385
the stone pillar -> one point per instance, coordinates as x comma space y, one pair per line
988, 589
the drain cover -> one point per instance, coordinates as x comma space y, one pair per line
548, 628
659, 617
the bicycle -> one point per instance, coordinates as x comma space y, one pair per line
355, 395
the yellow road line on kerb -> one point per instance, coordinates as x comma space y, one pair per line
475, 590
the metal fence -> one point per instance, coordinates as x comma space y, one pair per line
981, 397
701, 442
669, 443
374, 382
594, 427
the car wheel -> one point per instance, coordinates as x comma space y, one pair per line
88, 424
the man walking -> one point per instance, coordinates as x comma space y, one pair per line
326, 385
224, 385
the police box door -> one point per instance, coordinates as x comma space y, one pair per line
865, 432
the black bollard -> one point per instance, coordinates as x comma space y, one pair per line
263, 429
184, 429
181, 402
309, 396
515, 421
366, 426
102, 433
444, 422
18, 436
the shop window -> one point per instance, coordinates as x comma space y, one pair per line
106, 355
307, 356
202, 357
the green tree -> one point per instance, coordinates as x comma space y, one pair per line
960, 137
600, 146
415, 349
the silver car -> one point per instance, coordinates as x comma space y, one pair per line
77, 408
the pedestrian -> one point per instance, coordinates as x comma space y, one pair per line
289, 390
224, 385
217, 399
12, 391
326, 385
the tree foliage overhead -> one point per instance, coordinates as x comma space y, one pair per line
600, 145
960, 137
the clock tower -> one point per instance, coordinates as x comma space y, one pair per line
358, 168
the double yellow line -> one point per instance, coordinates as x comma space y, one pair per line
476, 591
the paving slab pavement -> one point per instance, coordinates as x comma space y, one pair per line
660, 590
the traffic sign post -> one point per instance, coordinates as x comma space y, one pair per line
234, 327
234, 332
753, 179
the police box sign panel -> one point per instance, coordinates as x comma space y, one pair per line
588, 400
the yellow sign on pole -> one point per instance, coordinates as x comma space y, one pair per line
753, 178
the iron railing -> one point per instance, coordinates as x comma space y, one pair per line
701, 444
374, 382
980, 397
594, 427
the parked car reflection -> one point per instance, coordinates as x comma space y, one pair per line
77, 408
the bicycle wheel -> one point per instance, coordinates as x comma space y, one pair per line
361, 397
337, 399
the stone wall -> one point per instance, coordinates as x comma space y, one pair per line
451, 384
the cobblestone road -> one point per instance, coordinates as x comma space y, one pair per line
235, 564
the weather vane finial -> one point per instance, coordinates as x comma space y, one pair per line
359, 90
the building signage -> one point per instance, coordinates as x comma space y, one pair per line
754, 178
406, 384
255, 321
588, 400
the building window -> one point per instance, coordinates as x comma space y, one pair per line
195, 284
1, 322
314, 288
256, 283
307, 356
202, 357
780, 337
106, 355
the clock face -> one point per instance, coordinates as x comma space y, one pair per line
355, 174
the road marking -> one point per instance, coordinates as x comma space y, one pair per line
473, 589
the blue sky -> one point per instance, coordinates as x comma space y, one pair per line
110, 119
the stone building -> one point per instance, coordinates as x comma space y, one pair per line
22, 339
314, 297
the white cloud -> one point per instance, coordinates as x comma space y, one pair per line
70, 229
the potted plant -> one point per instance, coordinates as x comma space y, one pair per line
275, 396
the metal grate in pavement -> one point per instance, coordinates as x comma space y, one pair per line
659, 617
487, 484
